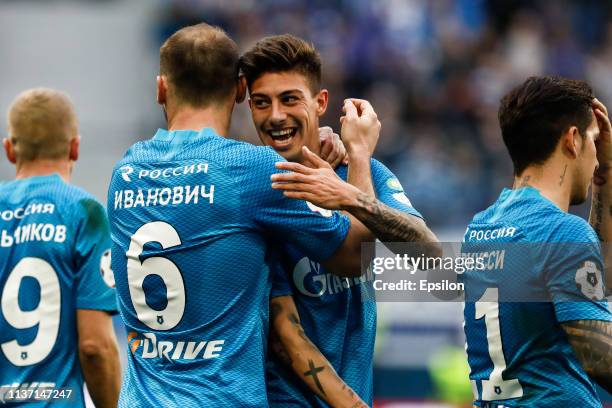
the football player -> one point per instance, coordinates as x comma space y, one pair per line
55, 277
323, 326
538, 331
191, 213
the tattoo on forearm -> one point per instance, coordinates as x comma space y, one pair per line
314, 372
597, 217
296, 323
388, 224
275, 344
275, 310
563, 176
592, 343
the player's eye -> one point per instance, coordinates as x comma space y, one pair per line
290, 99
260, 103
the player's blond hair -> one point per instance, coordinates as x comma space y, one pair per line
41, 124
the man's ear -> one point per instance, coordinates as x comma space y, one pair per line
162, 89
9, 149
241, 89
75, 142
322, 100
572, 142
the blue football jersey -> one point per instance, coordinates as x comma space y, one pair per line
54, 259
191, 214
538, 259
338, 314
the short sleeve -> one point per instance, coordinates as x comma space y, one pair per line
315, 231
94, 277
390, 191
279, 273
573, 274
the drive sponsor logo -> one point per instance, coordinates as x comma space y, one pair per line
146, 346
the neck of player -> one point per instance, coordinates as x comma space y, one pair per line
190, 118
553, 180
44, 168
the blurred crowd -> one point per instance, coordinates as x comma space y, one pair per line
434, 71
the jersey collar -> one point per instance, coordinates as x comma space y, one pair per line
182, 135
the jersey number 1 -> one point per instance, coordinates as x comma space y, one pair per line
495, 388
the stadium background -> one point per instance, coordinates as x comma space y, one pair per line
434, 71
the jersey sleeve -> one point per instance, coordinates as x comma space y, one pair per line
573, 274
94, 278
390, 191
279, 274
317, 232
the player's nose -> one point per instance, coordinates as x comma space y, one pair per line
277, 115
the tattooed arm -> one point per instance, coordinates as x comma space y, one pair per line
601, 205
289, 343
592, 343
370, 218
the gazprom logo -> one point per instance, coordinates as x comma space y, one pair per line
311, 280
125, 172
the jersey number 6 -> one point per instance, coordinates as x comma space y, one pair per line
164, 234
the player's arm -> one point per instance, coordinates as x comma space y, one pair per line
95, 302
322, 187
592, 344
601, 205
291, 345
370, 218
99, 357
372, 210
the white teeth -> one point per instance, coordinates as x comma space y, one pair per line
284, 132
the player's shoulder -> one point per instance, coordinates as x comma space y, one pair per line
381, 175
567, 227
81, 204
257, 155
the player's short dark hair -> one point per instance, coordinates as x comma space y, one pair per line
282, 53
535, 114
201, 64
